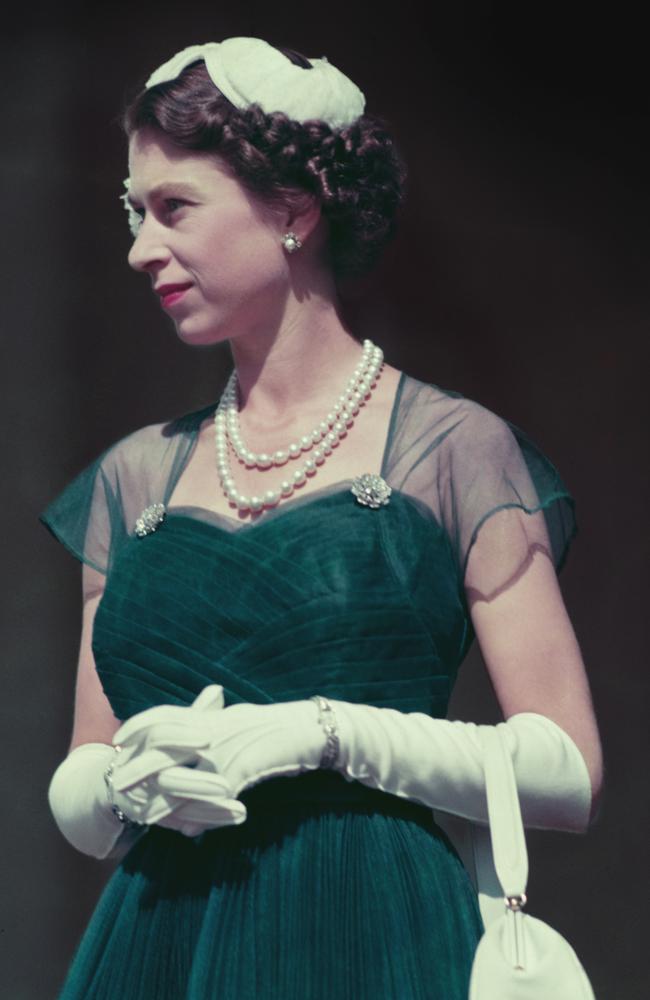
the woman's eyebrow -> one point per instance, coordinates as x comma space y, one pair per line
179, 187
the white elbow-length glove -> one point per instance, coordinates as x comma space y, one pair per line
79, 796
435, 762
439, 763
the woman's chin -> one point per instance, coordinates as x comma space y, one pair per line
199, 337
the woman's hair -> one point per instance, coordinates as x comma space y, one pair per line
356, 172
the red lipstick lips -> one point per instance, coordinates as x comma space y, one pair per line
169, 294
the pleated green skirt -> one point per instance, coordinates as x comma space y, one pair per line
328, 890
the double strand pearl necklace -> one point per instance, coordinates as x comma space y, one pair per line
322, 439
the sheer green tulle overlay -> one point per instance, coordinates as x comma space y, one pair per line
329, 889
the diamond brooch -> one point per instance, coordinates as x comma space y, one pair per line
149, 519
371, 490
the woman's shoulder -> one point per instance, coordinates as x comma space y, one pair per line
457, 453
443, 411
149, 443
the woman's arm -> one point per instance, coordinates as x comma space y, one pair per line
78, 794
77, 791
527, 639
94, 721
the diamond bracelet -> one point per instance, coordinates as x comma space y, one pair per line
327, 720
108, 778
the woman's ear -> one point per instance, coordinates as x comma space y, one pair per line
303, 215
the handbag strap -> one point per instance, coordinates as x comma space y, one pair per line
504, 813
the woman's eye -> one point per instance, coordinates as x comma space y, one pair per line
136, 213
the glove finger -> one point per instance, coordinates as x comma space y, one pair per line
178, 717
144, 765
149, 809
190, 783
146, 805
150, 716
193, 731
199, 735
210, 698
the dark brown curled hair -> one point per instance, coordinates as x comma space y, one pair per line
356, 172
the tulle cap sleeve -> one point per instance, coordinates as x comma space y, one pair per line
500, 468
97, 511
480, 476
88, 516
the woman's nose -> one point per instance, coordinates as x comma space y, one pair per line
148, 248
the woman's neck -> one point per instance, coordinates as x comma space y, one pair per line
303, 366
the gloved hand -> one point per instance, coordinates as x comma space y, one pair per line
168, 739
249, 743
79, 803
234, 749
440, 763
79, 797
135, 790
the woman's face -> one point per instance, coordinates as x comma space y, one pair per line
200, 229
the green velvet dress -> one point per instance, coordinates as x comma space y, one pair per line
330, 890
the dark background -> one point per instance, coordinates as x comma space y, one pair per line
519, 278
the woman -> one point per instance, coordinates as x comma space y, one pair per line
279, 589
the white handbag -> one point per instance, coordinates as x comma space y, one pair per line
519, 957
